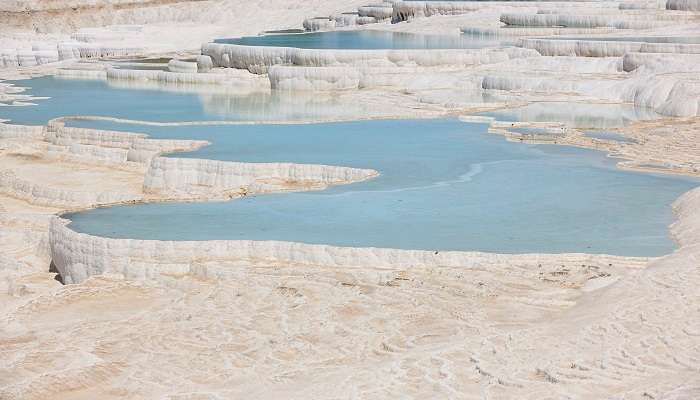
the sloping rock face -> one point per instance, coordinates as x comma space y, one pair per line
259, 58
313, 79
41, 195
408, 10
195, 178
79, 256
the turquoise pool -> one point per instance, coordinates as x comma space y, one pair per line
444, 184
369, 40
129, 100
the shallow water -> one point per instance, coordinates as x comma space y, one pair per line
141, 101
149, 102
368, 40
445, 185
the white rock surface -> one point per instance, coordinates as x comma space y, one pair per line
588, 21
257, 59
195, 178
313, 78
204, 63
79, 256
182, 66
8, 131
138, 147
661, 62
408, 10
379, 11
39, 194
600, 48
319, 24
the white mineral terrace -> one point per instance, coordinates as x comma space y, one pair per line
89, 317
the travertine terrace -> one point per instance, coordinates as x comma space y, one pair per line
86, 317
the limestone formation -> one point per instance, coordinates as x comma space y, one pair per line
79, 256
588, 21
319, 24
602, 48
187, 178
38, 194
257, 59
271, 319
183, 66
313, 78
204, 63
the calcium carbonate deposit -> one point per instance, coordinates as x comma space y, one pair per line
222, 199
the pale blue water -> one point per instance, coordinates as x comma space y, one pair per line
445, 185
84, 97
367, 40
139, 101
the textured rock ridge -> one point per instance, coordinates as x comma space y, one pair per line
258, 59
136, 147
79, 256
40, 194
196, 178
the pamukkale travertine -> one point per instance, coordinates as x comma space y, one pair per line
85, 316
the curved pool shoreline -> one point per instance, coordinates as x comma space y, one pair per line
307, 216
164, 125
